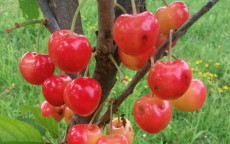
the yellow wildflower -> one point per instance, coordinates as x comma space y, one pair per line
217, 64
198, 62
220, 90
225, 87
200, 73
206, 65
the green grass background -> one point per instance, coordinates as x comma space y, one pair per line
205, 47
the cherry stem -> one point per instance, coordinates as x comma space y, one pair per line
118, 121
38, 38
120, 7
152, 60
134, 7
164, 1
170, 46
87, 68
111, 116
118, 68
76, 14
22, 24
98, 111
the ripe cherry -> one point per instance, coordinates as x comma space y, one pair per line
35, 68
135, 62
151, 113
84, 134
172, 16
123, 127
169, 80
68, 114
69, 51
193, 99
136, 34
53, 89
49, 110
112, 139
83, 95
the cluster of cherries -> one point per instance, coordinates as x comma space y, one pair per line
171, 83
137, 36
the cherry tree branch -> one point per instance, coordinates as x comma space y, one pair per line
157, 55
51, 24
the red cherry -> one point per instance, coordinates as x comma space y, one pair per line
193, 99
169, 80
49, 110
83, 95
120, 129
35, 68
161, 39
81, 134
136, 34
109, 139
68, 114
53, 89
135, 62
172, 16
152, 114
69, 51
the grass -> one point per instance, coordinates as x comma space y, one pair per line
205, 47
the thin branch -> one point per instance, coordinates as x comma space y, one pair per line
158, 55
51, 24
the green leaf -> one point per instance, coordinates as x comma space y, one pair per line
34, 124
30, 9
46, 122
13, 131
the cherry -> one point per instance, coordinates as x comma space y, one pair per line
49, 110
83, 95
135, 62
68, 114
84, 134
136, 34
193, 99
123, 127
53, 89
69, 51
172, 16
112, 139
151, 113
169, 80
35, 68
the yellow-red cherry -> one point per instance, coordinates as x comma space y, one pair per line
172, 16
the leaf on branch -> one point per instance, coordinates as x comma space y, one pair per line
30, 9
13, 131
46, 122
